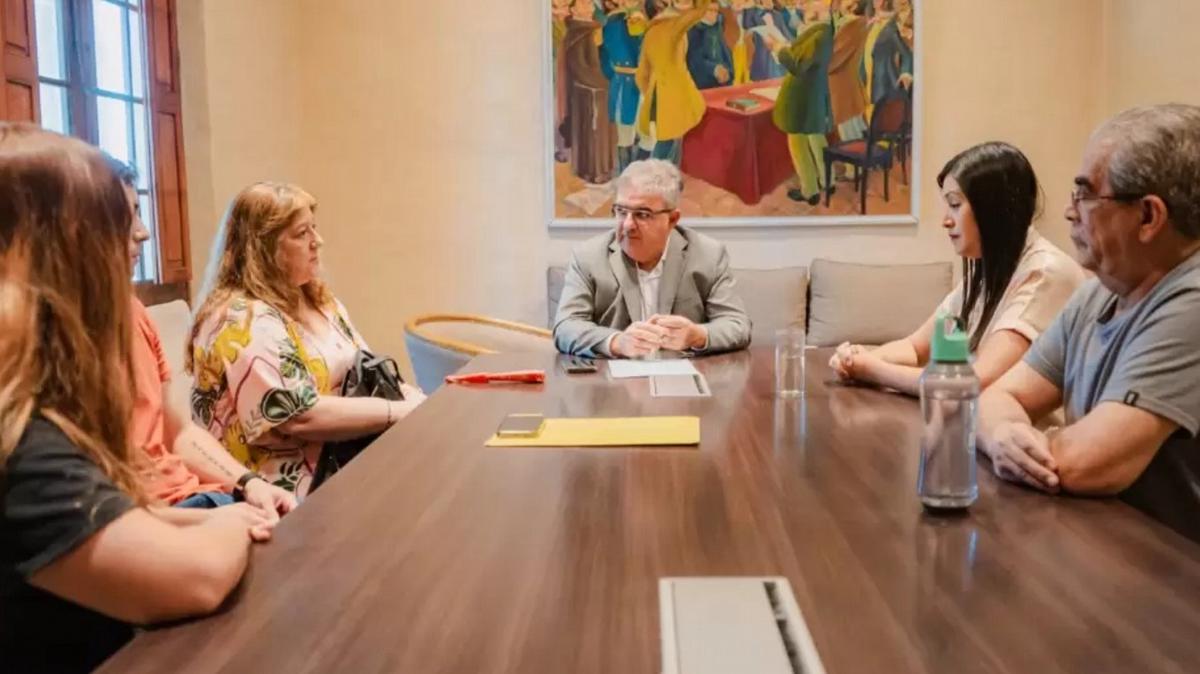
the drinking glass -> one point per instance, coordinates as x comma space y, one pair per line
789, 362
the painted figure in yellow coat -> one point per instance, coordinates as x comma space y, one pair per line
671, 102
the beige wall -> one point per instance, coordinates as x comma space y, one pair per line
419, 128
242, 77
1150, 53
428, 166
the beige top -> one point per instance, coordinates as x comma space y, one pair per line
1044, 280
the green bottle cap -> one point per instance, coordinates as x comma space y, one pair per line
950, 341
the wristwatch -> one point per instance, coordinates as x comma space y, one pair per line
239, 490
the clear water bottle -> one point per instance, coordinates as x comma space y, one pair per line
949, 400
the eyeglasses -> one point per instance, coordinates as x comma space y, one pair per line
1078, 195
640, 215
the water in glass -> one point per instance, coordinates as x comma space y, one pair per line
789, 362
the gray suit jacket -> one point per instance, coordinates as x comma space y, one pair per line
601, 297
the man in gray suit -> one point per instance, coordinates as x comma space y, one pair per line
649, 284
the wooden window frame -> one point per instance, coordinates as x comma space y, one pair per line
19, 101
18, 62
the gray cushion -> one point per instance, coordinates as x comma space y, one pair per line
774, 298
174, 323
555, 277
872, 304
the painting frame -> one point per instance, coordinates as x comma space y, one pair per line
554, 222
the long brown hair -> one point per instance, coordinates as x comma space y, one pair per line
243, 261
65, 320
1002, 189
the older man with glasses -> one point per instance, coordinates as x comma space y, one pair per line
1124, 356
649, 284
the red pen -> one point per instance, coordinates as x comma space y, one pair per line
519, 376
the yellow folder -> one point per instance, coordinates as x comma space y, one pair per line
610, 432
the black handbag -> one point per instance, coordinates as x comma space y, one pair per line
371, 376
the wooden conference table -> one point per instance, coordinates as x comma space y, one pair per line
433, 554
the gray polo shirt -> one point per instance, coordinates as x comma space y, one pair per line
1147, 357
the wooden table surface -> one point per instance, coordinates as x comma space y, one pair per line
431, 553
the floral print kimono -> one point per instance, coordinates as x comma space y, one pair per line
254, 370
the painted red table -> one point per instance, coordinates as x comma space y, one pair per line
742, 152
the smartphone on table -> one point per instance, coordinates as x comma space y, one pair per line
521, 426
577, 365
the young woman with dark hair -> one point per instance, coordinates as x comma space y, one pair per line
1014, 281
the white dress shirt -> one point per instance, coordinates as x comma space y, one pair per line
649, 283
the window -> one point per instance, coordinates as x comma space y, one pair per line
92, 84
107, 71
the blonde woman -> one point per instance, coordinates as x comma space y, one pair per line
270, 344
82, 558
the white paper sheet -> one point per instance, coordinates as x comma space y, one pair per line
630, 369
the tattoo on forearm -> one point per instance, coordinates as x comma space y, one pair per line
204, 451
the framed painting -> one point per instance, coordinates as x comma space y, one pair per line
777, 112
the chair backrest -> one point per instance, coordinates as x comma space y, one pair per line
174, 323
872, 304
431, 362
774, 298
440, 344
555, 278
888, 119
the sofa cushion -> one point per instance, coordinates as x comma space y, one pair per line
774, 298
872, 304
555, 277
